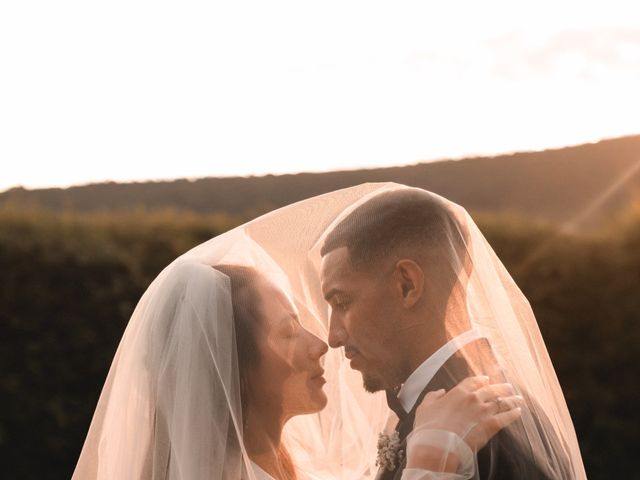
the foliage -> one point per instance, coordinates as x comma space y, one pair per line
70, 281
584, 291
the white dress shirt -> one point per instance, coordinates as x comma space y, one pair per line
421, 376
415, 384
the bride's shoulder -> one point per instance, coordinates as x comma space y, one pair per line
259, 473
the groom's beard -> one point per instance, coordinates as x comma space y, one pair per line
372, 384
393, 376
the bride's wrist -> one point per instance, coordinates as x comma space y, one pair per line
437, 450
428, 457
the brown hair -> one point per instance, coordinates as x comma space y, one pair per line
246, 304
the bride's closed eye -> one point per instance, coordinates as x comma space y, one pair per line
290, 328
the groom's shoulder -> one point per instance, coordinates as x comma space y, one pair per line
528, 448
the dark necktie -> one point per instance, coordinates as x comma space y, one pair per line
404, 427
394, 403
447, 377
405, 423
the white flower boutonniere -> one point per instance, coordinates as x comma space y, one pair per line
390, 452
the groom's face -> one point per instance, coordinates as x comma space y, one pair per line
362, 318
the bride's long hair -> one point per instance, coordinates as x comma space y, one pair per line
247, 317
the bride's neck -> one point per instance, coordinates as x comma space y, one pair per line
262, 431
262, 439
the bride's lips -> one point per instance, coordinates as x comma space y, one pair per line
318, 377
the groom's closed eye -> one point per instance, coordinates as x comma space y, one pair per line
340, 303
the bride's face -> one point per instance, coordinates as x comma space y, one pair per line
289, 373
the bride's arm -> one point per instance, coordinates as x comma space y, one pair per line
450, 427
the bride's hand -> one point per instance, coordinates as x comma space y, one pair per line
450, 426
475, 410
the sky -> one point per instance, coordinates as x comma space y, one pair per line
139, 90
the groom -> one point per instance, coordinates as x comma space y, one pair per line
394, 272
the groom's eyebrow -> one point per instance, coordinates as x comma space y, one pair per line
330, 294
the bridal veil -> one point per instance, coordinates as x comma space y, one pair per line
171, 406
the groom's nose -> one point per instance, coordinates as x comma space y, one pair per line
337, 334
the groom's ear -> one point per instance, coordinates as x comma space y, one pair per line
409, 278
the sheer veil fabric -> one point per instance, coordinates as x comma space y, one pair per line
171, 405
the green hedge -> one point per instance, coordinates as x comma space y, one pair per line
69, 283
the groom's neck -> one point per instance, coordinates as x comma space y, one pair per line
420, 349
435, 331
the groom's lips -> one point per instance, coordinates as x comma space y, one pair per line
350, 352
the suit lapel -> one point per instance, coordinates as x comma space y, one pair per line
454, 370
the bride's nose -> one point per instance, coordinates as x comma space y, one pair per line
317, 348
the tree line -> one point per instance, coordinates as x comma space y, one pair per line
70, 281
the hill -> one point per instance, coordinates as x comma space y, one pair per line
557, 185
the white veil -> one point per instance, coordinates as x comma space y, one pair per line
171, 407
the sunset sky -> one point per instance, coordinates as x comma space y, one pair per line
135, 90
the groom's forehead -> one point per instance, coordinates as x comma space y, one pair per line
338, 275
336, 260
335, 265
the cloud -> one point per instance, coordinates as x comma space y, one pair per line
582, 53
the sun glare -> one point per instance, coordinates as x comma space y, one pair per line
147, 90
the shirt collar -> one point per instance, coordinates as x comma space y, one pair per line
421, 376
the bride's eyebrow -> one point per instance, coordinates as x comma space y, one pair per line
289, 316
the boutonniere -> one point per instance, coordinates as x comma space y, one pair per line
390, 451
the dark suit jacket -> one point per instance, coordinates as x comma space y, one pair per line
508, 455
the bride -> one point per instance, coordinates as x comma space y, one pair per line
221, 374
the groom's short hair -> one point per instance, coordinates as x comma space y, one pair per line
399, 219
